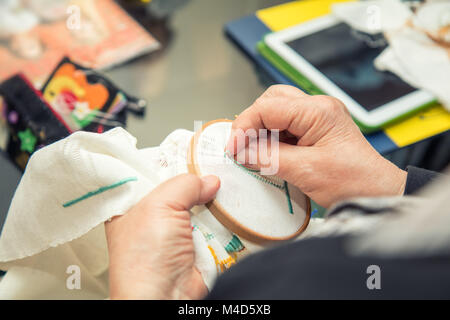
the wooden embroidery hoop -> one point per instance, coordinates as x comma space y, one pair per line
222, 215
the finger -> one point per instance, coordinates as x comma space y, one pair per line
274, 91
184, 191
306, 117
281, 90
283, 113
281, 161
210, 186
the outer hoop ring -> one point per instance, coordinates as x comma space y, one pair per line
222, 215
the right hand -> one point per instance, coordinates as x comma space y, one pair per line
329, 159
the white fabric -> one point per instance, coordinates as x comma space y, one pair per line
41, 238
64, 171
373, 16
418, 61
412, 54
251, 196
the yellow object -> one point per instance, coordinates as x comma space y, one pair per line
289, 14
223, 264
60, 83
427, 123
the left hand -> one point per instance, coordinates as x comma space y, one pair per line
151, 251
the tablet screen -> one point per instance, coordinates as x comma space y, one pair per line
346, 58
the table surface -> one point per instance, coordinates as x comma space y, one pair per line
199, 75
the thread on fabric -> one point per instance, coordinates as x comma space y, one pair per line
288, 197
235, 245
254, 173
216, 260
227, 263
221, 265
98, 191
238, 164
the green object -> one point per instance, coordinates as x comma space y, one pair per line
319, 211
300, 80
86, 120
27, 140
291, 211
99, 190
255, 174
235, 245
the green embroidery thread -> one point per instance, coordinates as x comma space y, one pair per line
288, 197
238, 164
254, 174
98, 191
235, 245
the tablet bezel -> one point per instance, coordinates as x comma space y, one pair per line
376, 118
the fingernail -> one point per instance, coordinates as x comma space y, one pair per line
210, 181
210, 186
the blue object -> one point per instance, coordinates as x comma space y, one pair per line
247, 31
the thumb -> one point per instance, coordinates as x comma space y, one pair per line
185, 191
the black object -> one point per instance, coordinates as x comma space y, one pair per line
9, 179
346, 58
322, 268
418, 178
135, 105
432, 153
35, 113
33, 122
32, 116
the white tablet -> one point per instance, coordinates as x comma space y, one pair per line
339, 62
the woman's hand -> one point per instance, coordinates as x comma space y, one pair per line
151, 251
323, 153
